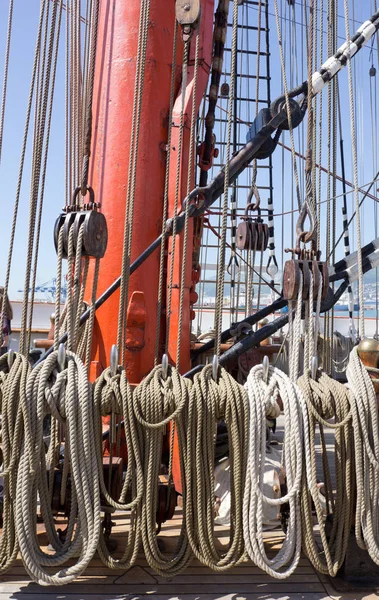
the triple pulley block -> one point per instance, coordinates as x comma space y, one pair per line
95, 231
307, 266
252, 232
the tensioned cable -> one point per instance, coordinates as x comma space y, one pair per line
22, 159
355, 173
5, 78
221, 265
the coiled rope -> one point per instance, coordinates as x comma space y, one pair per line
66, 395
326, 399
158, 401
113, 395
12, 394
210, 402
263, 400
366, 439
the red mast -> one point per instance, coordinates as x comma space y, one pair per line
113, 100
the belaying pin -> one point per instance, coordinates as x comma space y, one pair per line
266, 368
215, 365
61, 359
10, 358
314, 367
114, 360
164, 366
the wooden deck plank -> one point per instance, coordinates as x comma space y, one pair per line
47, 595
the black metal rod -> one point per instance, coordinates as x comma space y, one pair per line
251, 320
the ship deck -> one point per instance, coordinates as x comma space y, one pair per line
245, 582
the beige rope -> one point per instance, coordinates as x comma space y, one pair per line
67, 396
12, 392
209, 403
113, 395
157, 402
366, 439
327, 405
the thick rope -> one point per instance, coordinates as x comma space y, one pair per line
326, 400
113, 395
158, 402
12, 394
209, 403
263, 400
366, 438
67, 396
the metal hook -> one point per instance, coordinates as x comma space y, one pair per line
215, 365
10, 358
114, 360
164, 366
61, 357
266, 368
314, 367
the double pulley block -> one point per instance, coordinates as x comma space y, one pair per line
252, 233
95, 231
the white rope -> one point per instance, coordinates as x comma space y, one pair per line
263, 399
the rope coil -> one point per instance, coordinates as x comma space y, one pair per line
263, 400
210, 402
67, 396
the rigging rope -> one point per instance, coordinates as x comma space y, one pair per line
366, 448
210, 402
263, 400
5, 77
326, 399
12, 397
158, 401
113, 395
66, 395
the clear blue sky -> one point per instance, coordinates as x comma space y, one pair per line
22, 51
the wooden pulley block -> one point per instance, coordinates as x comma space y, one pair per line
320, 277
95, 235
57, 227
291, 279
243, 236
262, 236
304, 268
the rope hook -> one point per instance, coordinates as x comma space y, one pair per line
61, 357
10, 358
215, 365
266, 368
314, 367
164, 366
114, 360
